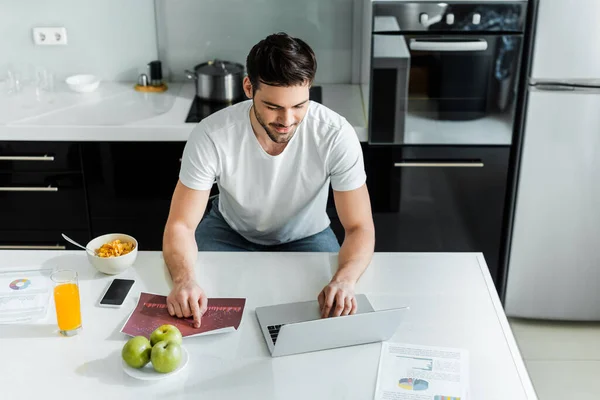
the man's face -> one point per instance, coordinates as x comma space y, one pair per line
280, 109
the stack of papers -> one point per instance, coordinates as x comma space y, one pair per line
24, 295
412, 372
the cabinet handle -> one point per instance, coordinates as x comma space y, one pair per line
28, 189
439, 164
26, 158
32, 247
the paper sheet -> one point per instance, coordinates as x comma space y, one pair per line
24, 294
414, 372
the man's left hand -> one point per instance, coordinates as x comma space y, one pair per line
339, 296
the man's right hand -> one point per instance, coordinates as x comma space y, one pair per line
186, 300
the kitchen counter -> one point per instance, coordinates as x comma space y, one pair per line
463, 1
452, 302
116, 112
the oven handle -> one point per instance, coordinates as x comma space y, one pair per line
467, 45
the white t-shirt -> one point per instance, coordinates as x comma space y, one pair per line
273, 199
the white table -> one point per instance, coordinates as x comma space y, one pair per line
452, 304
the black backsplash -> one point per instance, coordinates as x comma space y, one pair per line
201, 109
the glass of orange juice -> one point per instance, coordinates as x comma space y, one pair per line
66, 299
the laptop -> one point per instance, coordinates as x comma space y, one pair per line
295, 328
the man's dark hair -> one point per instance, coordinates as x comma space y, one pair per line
281, 60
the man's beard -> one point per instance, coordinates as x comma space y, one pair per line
274, 135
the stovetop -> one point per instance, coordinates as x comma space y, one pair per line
201, 109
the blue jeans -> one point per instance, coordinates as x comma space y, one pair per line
215, 234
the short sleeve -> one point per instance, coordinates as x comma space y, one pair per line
345, 161
199, 164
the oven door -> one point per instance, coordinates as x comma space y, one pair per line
447, 89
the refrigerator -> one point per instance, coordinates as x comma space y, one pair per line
554, 260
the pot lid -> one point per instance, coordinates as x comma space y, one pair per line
219, 68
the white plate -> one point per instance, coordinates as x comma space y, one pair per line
147, 373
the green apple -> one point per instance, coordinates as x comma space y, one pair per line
166, 356
165, 332
137, 352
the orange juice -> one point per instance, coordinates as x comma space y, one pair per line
68, 311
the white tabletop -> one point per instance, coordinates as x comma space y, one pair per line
452, 304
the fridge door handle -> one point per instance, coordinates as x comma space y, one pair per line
575, 85
467, 45
553, 87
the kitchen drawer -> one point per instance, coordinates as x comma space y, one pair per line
439, 199
42, 239
481, 168
131, 180
42, 201
39, 156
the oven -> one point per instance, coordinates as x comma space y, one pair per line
444, 73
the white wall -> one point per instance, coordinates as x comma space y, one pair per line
194, 31
114, 39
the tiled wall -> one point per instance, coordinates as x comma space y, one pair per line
194, 31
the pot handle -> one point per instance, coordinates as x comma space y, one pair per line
190, 74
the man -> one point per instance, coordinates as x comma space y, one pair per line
273, 158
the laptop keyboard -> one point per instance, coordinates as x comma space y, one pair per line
274, 331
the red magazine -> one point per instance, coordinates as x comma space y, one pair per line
222, 315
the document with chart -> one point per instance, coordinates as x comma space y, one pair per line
414, 372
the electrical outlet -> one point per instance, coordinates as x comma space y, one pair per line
50, 36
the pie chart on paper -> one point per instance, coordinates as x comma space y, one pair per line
413, 384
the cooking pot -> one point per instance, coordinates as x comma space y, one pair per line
219, 81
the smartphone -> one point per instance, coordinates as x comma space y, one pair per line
116, 292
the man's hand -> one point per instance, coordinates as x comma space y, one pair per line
180, 252
354, 209
340, 294
187, 299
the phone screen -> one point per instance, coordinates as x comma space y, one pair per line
116, 293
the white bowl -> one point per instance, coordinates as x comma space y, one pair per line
112, 265
83, 83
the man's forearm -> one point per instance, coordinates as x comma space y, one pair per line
355, 254
180, 252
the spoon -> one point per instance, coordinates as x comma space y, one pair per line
78, 245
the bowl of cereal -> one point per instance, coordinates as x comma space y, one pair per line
114, 252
